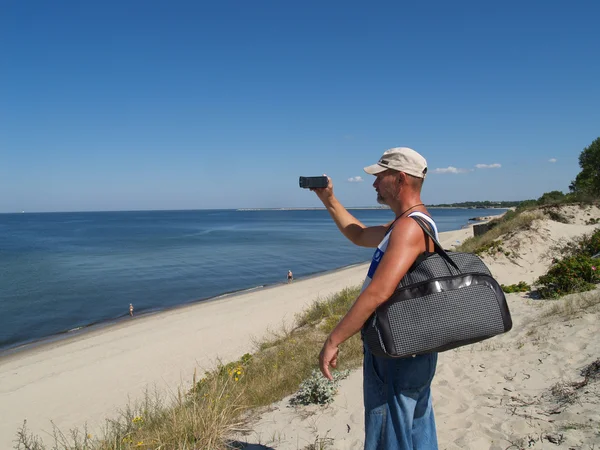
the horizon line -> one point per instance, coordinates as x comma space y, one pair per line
281, 208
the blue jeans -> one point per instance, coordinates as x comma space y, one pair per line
397, 396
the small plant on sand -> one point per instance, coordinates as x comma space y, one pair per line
320, 443
27, 441
491, 248
521, 286
318, 389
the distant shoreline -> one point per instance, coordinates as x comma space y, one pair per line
368, 208
308, 208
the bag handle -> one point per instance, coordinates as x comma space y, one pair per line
436, 245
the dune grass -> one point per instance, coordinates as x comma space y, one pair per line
508, 223
218, 404
573, 305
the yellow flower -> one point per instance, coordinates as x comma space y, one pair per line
139, 444
138, 420
89, 436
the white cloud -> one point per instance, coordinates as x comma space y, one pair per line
450, 169
552, 160
355, 179
488, 166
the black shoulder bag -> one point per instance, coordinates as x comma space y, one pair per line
445, 300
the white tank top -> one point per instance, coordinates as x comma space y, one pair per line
382, 247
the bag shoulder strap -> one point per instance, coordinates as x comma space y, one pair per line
429, 225
425, 226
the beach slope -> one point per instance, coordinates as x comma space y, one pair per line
89, 377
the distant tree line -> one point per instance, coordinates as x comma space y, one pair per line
484, 204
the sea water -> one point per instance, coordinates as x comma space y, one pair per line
61, 272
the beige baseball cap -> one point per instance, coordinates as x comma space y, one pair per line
403, 159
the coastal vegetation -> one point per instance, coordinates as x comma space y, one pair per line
577, 269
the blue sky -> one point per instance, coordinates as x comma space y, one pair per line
183, 105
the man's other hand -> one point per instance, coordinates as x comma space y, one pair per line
328, 357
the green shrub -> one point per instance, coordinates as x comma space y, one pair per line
521, 286
318, 389
590, 244
592, 221
507, 216
527, 204
576, 273
552, 198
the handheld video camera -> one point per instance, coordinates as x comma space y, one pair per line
313, 182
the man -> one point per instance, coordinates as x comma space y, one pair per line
398, 411
131, 309
290, 276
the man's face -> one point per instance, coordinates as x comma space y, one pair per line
386, 184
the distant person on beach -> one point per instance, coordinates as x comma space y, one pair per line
290, 276
131, 309
397, 392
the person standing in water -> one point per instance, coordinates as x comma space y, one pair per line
131, 309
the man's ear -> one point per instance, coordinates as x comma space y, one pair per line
401, 178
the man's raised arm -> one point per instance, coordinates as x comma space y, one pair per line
349, 225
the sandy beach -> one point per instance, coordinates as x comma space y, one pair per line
484, 395
87, 378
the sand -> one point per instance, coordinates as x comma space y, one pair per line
86, 379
